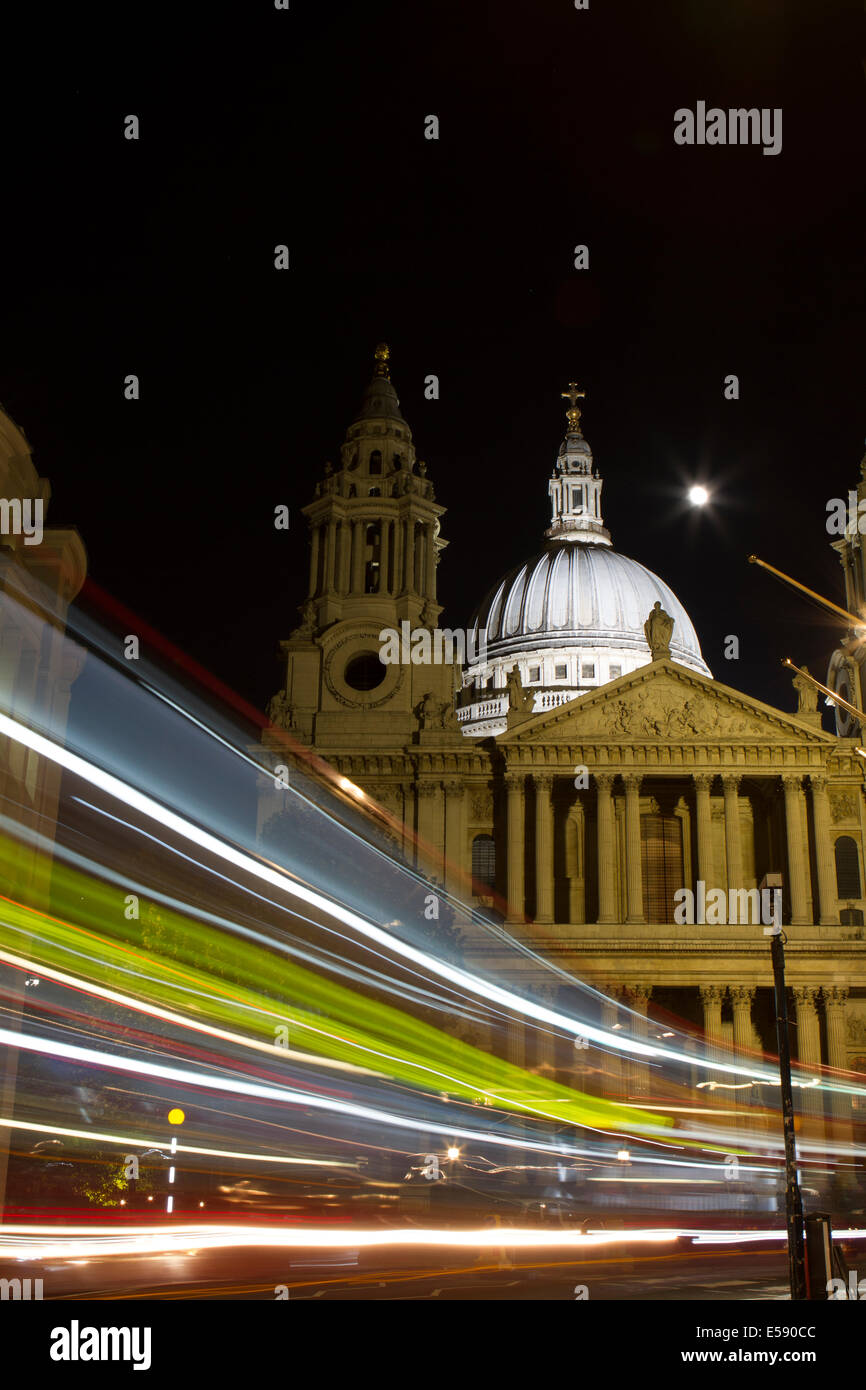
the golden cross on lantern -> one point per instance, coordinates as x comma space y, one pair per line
573, 395
382, 356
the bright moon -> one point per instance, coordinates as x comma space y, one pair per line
698, 496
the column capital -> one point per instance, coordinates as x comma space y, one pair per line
819, 783
835, 996
515, 781
426, 789
731, 781
454, 787
639, 993
712, 994
632, 781
792, 781
543, 781
604, 781
805, 995
703, 780
741, 994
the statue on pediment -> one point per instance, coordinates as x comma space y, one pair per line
658, 629
807, 695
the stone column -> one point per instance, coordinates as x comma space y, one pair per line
741, 998
808, 1044
606, 849
455, 833
358, 549
544, 1032
610, 1016
711, 998
314, 563
398, 556
409, 581
345, 558
384, 548
793, 784
543, 847
417, 559
331, 556
730, 786
824, 854
429, 562
703, 782
835, 1000
637, 998
634, 877
514, 782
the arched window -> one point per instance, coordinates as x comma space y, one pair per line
376, 461
484, 860
375, 492
847, 868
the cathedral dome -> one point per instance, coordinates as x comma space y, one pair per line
572, 618
582, 596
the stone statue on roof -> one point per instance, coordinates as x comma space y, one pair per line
658, 629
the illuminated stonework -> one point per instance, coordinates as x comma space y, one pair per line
587, 810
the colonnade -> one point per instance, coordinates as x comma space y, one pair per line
608, 895
406, 556
625, 1010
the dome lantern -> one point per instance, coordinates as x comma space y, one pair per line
575, 487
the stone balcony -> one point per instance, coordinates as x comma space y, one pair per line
485, 718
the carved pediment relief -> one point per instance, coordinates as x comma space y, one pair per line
682, 717
660, 703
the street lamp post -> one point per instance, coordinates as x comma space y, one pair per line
793, 1196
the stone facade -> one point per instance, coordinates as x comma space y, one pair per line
584, 814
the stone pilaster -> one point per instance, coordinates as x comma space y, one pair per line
455, 833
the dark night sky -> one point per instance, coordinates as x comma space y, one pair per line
261, 127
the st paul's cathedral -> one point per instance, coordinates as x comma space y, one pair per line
575, 763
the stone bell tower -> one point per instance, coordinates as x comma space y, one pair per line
374, 547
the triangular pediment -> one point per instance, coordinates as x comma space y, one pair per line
664, 702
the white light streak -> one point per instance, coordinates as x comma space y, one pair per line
515, 1003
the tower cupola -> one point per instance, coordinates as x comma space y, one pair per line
575, 488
